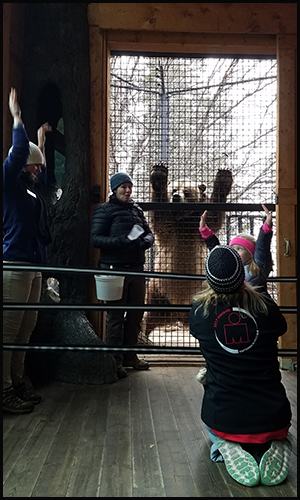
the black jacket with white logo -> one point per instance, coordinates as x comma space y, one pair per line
243, 391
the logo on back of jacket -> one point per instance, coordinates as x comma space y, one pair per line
235, 330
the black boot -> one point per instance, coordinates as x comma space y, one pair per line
13, 404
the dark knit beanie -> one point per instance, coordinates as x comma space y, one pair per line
118, 179
224, 269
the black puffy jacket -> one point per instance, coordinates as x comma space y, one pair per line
112, 221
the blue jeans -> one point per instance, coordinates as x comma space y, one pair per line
255, 449
215, 455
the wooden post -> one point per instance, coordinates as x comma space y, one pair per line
99, 123
286, 214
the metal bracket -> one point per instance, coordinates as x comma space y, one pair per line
287, 247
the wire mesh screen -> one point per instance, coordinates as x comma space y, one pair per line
192, 130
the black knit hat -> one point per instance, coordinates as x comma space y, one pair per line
224, 269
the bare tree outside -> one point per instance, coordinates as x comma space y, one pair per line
198, 115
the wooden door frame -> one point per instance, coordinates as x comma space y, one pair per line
284, 47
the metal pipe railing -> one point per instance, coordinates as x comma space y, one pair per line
104, 307
137, 349
30, 267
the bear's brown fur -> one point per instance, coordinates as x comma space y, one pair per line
179, 247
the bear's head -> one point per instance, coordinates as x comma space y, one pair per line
186, 192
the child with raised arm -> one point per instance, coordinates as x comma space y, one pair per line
255, 254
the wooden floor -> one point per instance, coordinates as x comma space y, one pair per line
139, 437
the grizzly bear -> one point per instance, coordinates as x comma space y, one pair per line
179, 247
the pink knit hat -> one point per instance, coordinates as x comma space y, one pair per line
245, 243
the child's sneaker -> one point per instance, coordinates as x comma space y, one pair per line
240, 465
201, 376
274, 463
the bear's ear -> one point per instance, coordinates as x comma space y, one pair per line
202, 188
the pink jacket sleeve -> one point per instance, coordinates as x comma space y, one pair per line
266, 228
206, 232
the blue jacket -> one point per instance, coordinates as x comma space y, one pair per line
262, 257
25, 231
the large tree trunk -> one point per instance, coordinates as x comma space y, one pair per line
56, 85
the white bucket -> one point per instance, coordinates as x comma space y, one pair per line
109, 287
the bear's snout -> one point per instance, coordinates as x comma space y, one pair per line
177, 198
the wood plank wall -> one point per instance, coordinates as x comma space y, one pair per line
223, 18
254, 28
